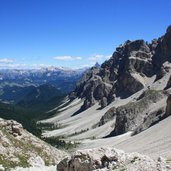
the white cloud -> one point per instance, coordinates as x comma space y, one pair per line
21, 66
67, 58
6, 60
78, 58
12, 66
86, 65
97, 57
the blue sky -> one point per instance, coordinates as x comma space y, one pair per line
75, 33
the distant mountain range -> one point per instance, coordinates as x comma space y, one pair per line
18, 85
26, 95
62, 78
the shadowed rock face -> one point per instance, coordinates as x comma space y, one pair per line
123, 74
168, 107
168, 83
135, 116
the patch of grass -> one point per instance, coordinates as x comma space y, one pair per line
93, 138
49, 126
168, 161
59, 143
114, 167
134, 159
6, 163
23, 160
26, 148
123, 169
79, 132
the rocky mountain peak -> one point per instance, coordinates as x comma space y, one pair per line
168, 29
107, 159
97, 65
126, 71
163, 50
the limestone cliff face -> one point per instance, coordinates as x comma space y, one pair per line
163, 50
126, 71
138, 115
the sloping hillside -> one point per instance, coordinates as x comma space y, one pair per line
20, 148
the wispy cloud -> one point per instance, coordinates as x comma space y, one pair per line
11, 66
67, 58
6, 60
21, 66
97, 57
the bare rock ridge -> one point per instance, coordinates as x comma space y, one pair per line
162, 50
136, 116
125, 72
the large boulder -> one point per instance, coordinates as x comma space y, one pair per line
108, 159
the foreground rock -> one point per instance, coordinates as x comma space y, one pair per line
108, 159
20, 148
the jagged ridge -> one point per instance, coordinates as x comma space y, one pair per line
125, 72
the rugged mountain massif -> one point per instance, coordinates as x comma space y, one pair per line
126, 72
134, 66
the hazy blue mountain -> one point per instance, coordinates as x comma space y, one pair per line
62, 78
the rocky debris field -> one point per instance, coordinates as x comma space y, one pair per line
108, 159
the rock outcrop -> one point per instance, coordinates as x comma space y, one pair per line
136, 116
168, 83
108, 159
14, 128
125, 72
18, 147
163, 50
168, 107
